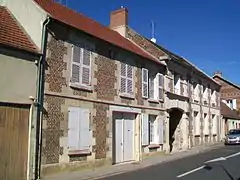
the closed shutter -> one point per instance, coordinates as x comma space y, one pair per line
129, 79
160, 86
85, 132
161, 130
234, 103
144, 83
73, 128
145, 129
151, 88
76, 64
86, 66
123, 78
214, 124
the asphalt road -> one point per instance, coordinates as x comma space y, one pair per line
189, 168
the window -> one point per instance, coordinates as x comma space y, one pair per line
126, 79
230, 103
81, 65
156, 85
196, 90
206, 124
214, 124
177, 84
152, 129
79, 133
196, 123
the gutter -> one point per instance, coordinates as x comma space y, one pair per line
40, 99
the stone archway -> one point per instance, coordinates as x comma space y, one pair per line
177, 132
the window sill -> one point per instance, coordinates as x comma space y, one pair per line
153, 100
153, 146
197, 135
79, 152
81, 87
127, 96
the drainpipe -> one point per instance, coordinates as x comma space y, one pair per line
40, 99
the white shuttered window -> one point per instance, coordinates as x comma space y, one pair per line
160, 86
81, 65
126, 79
144, 83
79, 133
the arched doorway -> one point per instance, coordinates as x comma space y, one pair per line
175, 115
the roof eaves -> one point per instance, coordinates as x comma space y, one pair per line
227, 81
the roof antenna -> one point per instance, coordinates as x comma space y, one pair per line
153, 32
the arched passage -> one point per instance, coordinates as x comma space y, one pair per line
175, 115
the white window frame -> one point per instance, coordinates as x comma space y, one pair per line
196, 123
156, 87
81, 65
154, 131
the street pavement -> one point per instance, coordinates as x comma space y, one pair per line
189, 168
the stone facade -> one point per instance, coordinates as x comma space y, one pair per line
183, 98
60, 95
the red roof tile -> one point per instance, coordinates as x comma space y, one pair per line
81, 22
12, 34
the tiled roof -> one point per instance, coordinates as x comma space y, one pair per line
228, 112
12, 34
88, 25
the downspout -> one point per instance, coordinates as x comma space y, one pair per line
40, 99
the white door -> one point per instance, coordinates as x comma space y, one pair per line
124, 138
128, 140
119, 140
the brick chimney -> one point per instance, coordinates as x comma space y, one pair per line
119, 20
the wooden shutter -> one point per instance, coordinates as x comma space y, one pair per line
161, 130
73, 128
234, 103
151, 88
145, 129
86, 66
76, 64
144, 82
129, 79
85, 132
160, 86
123, 78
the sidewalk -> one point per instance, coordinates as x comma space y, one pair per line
118, 169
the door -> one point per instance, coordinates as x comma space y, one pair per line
124, 137
119, 140
13, 141
128, 140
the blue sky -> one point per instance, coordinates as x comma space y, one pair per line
206, 32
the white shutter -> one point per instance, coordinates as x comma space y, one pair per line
85, 132
206, 125
151, 88
214, 124
129, 79
160, 130
123, 78
86, 66
234, 103
76, 64
160, 86
145, 129
144, 82
73, 128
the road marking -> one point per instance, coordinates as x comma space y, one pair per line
190, 172
199, 168
233, 155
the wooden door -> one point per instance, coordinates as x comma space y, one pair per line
13, 141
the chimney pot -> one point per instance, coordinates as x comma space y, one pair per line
218, 73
